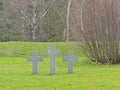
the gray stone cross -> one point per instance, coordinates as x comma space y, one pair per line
70, 59
34, 59
52, 52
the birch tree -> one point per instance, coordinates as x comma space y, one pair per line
32, 14
67, 21
76, 20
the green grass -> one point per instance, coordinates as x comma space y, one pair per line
15, 71
15, 74
23, 49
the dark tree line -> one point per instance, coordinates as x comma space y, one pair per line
32, 20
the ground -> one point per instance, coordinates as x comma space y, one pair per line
16, 74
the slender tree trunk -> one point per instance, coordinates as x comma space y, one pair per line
81, 15
67, 22
34, 21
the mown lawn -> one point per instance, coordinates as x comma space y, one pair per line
15, 72
23, 49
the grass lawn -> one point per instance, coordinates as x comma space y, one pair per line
15, 72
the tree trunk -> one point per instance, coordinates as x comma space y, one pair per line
67, 22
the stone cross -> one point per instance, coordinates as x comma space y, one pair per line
52, 52
70, 59
34, 59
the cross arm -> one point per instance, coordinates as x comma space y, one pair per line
47, 52
40, 59
65, 58
29, 58
75, 59
57, 52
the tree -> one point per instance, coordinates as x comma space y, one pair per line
55, 22
32, 14
67, 21
74, 20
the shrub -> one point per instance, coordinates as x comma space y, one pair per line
101, 33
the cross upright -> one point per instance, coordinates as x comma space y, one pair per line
70, 59
34, 59
52, 52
